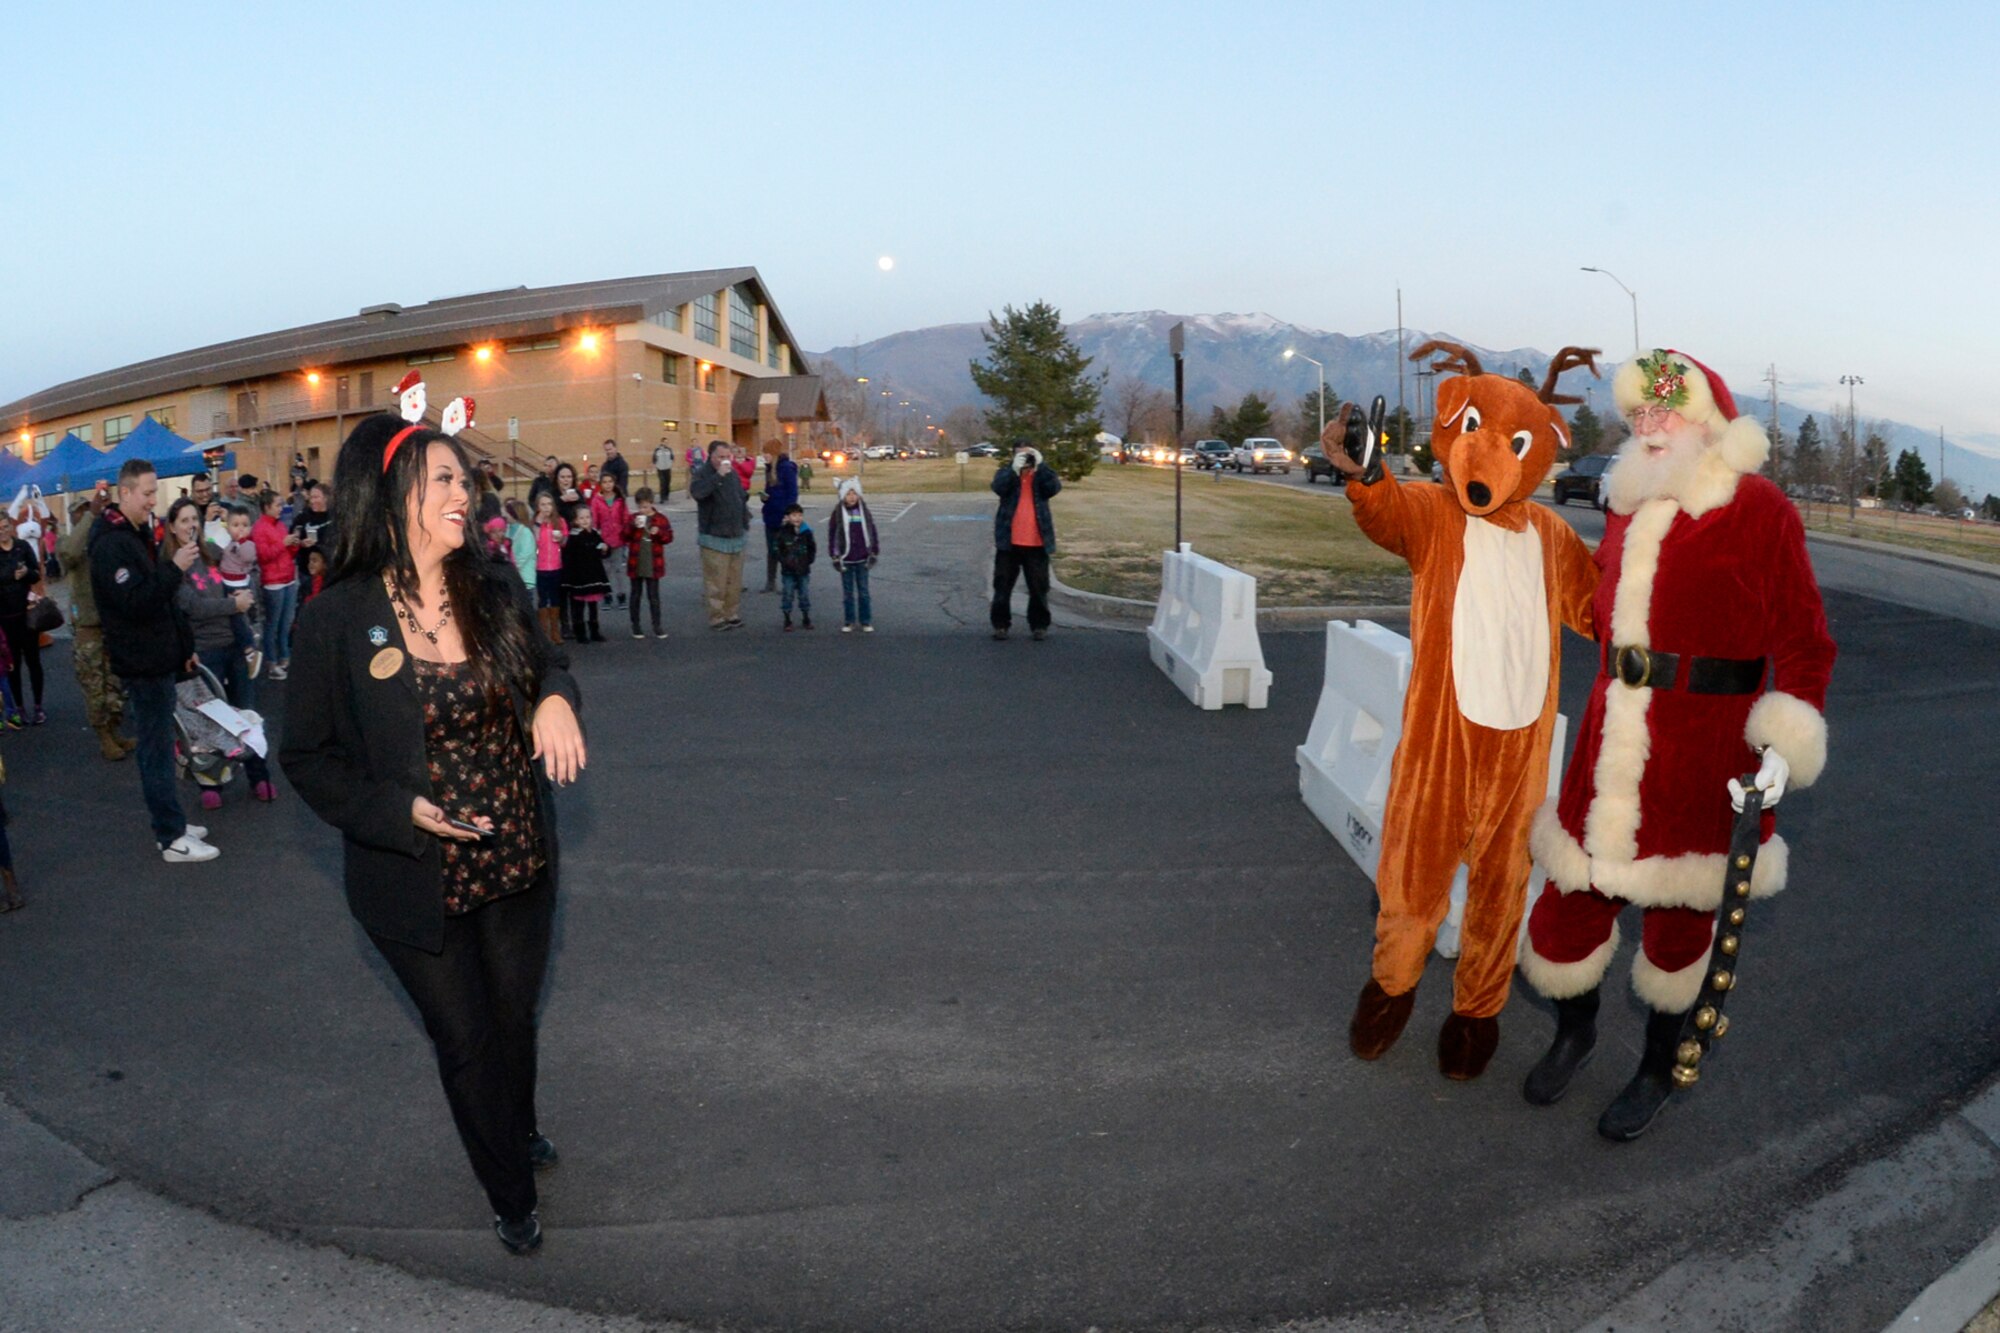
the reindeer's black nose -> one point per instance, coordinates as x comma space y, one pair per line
1478, 493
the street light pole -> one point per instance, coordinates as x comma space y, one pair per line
1177, 343
1853, 443
1291, 352
1636, 349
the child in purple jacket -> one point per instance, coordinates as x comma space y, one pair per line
852, 545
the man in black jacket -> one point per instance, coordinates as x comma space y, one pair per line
147, 643
1024, 537
722, 520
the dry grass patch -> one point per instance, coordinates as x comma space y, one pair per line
1302, 546
1924, 532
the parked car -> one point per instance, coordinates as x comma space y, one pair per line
1213, 455
984, 451
1318, 465
879, 451
1583, 480
1260, 453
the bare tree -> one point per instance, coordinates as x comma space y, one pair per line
964, 426
1132, 401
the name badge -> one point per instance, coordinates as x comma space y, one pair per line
386, 663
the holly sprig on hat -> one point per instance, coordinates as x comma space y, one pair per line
1665, 379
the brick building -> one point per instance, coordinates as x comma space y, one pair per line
685, 357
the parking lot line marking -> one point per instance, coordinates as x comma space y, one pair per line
904, 510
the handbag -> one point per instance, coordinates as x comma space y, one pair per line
44, 616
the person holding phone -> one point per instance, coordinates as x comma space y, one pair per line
429, 721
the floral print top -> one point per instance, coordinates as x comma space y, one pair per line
480, 765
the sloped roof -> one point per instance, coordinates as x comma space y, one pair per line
391, 330
800, 398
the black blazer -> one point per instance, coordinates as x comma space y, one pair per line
354, 748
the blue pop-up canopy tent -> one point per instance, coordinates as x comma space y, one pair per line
71, 465
170, 454
13, 471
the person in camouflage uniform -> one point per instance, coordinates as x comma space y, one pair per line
103, 697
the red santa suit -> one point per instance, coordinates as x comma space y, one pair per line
1718, 570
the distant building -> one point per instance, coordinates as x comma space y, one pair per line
684, 357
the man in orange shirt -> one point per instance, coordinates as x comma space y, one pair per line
1024, 537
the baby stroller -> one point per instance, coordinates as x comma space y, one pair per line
210, 737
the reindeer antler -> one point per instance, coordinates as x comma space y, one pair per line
1450, 356
1569, 358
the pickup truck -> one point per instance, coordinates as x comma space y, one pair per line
1260, 454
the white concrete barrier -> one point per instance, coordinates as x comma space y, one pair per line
1344, 764
1204, 632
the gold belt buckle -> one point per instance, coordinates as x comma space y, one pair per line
1635, 666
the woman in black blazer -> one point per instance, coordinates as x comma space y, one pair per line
420, 697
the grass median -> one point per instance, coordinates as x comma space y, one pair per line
1302, 546
1924, 532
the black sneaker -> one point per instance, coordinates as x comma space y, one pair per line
521, 1236
999, 633
541, 1153
1039, 635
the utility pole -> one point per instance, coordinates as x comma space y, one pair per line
1177, 343
1777, 434
1940, 457
1850, 459
1402, 417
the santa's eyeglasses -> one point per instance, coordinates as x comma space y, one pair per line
1653, 416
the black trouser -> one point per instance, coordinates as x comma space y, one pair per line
478, 998
652, 590
580, 613
666, 485
26, 646
1009, 561
771, 559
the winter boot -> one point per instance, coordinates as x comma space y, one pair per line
1576, 1038
108, 746
10, 891
1466, 1045
1628, 1116
1378, 1020
788, 622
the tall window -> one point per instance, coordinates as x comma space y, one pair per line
771, 354
116, 429
44, 443
670, 368
707, 326
81, 432
742, 324
163, 415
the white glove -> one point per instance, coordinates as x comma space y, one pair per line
1025, 460
1773, 776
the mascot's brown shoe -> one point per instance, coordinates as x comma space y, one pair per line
1465, 1045
1378, 1020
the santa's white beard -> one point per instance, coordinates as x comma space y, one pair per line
1659, 465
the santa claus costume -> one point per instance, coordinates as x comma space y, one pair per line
1714, 660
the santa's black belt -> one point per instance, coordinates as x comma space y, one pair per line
1629, 664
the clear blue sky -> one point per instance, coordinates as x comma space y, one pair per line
1811, 185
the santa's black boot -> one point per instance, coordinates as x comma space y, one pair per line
1576, 1038
1635, 1108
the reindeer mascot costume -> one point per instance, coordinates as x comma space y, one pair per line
1496, 577
1707, 591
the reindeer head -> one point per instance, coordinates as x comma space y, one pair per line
1496, 436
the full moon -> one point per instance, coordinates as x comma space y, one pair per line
885, 263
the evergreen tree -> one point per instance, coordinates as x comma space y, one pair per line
1253, 418
1990, 507
1041, 388
1875, 465
1401, 428
1586, 434
1222, 426
1527, 377
1912, 484
1309, 411
1808, 459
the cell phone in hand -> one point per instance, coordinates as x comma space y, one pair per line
483, 834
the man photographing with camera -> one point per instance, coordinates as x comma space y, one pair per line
1024, 537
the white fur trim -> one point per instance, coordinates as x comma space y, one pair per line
1743, 445
1565, 863
1795, 729
1566, 981
1671, 992
1611, 829
1694, 880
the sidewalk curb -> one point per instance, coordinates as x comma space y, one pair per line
1973, 1283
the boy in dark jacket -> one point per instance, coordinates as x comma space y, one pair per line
796, 548
584, 579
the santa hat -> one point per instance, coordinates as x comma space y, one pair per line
1668, 378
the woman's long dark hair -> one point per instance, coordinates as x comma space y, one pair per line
374, 538
174, 512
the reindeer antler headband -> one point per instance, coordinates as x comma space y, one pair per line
411, 405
